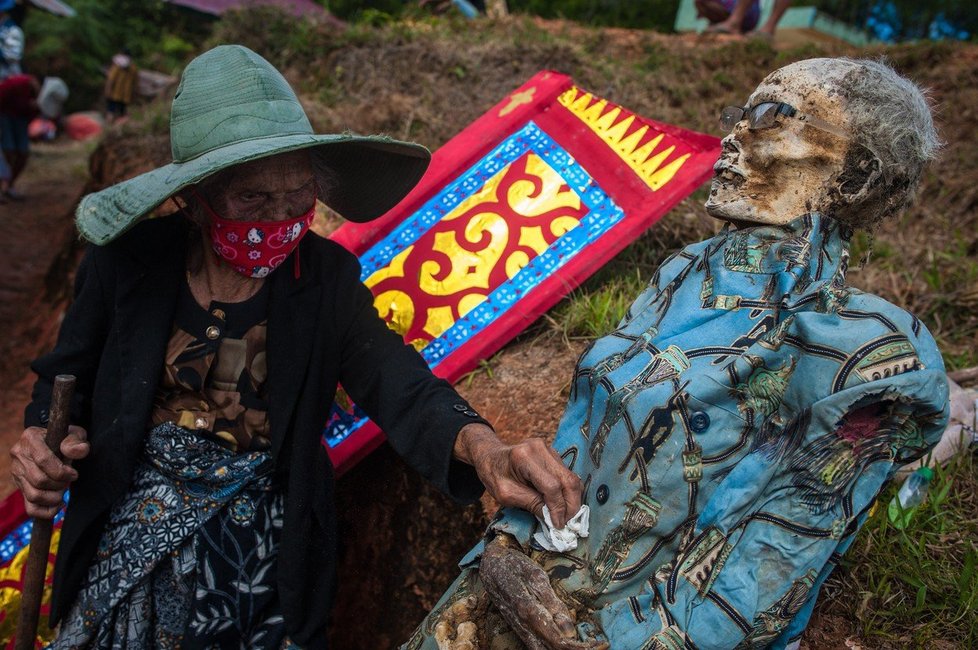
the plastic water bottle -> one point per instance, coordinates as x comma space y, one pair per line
911, 494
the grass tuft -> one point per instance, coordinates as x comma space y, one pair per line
917, 587
593, 313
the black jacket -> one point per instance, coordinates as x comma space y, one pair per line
322, 329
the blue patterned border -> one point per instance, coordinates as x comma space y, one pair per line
602, 215
20, 537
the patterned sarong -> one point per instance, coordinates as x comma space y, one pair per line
189, 556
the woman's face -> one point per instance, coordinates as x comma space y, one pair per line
270, 189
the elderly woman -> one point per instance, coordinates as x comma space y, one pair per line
735, 429
208, 347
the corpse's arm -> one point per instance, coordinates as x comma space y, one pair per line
79, 348
420, 413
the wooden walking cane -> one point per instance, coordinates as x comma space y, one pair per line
37, 556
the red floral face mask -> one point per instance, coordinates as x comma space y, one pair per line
256, 248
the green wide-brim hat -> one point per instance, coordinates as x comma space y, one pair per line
231, 107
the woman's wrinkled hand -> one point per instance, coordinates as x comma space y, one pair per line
39, 475
520, 590
526, 475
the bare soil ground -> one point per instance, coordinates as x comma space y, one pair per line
425, 82
40, 253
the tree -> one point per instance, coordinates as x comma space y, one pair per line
78, 49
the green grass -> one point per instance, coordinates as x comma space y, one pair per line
484, 367
918, 586
595, 312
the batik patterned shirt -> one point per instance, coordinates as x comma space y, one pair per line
213, 379
731, 434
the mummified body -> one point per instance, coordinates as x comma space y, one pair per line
735, 429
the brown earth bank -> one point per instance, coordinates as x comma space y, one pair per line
426, 81
41, 251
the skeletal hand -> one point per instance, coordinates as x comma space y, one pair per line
38, 473
519, 588
456, 628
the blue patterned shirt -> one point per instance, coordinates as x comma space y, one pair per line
731, 434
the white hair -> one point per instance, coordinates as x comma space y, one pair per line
891, 117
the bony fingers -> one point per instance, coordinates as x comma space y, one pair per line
549, 492
573, 643
55, 470
557, 507
75, 445
443, 634
565, 625
561, 622
42, 498
39, 476
32, 435
572, 497
557, 609
38, 480
512, 493
41, 513
558, 512
535, 505
541, 623
75, 449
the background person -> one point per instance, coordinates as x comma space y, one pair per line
741, 16
120, 84
11, 41
50, 103
18, 106
11, 52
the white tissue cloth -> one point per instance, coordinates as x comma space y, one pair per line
564, 539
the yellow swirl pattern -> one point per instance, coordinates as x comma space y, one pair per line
10, 594
516, 216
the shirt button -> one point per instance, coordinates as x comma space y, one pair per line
212, 332
218, 313
602, 494
699, 422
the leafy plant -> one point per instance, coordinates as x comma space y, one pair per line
79, 49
